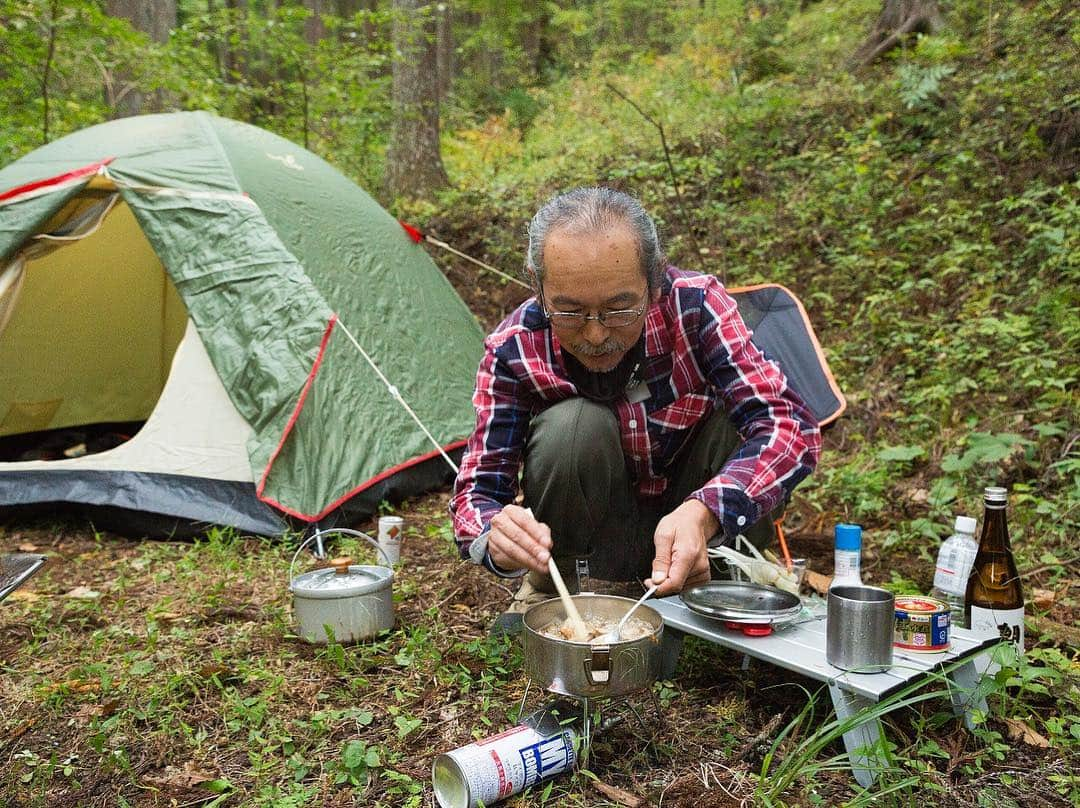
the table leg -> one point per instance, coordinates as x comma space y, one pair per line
965, 692
862, 742
670, 651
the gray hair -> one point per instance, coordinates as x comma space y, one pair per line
586, 210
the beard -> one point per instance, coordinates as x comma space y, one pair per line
609, 349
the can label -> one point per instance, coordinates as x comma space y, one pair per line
497, 767
922, 625
390, 531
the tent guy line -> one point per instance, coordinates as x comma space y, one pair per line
417, 236
397, 396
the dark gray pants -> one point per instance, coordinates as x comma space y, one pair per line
576, 482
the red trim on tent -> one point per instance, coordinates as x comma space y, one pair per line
296, 414
414, 234
292, 422
78, 173
378, 478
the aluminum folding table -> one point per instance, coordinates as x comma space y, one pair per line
800, 647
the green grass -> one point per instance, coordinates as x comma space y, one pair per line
928, 218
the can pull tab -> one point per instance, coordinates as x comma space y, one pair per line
341, 565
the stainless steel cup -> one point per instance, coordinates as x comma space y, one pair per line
859, 628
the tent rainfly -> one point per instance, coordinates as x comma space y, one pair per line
287, 348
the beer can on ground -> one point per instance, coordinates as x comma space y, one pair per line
390, 530
922, 625
497, 767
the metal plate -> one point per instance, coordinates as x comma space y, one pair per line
736, 600
15, 568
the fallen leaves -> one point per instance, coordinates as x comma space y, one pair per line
102, 710
618, 795
74, 686
818, 582
1021, 731
27, 547
187, 777
1043, 598
82, 593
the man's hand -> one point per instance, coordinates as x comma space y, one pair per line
518, 541
681, 541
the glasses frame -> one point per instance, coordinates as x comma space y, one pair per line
579, 320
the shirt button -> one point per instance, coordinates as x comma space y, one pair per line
632, 424
740, 521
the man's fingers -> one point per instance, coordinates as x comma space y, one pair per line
512, 541
509, 555
523, 518
662, 541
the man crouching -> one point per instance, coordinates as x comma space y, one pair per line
628, 392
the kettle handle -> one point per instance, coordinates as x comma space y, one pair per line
320, 533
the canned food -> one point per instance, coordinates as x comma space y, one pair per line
390, 530
497, 767
922, 625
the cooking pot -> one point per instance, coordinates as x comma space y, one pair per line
353, 601
592, 671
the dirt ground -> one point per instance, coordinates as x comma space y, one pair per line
166, 673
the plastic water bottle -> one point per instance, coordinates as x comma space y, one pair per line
954, 561
847, 557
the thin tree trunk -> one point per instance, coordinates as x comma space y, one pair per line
155, 19
898, 18
444, 50
532, 36
314, 28
414, 165
47, 70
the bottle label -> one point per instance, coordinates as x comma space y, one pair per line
846, 566
1005, 623
947, 580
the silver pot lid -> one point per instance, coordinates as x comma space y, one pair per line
342, 579
736, 600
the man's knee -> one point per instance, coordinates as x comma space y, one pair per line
570, 433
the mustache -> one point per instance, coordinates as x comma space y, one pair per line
608, 346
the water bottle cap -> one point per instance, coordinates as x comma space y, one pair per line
964, 524
848, 537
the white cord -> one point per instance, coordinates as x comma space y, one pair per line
397, 395
488, 267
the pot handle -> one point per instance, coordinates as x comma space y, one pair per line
597, 669
320, 533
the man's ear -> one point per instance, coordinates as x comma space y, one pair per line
530, 273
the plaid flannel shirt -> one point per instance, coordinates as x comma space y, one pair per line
698, 355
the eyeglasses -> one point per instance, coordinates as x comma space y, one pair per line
611, 318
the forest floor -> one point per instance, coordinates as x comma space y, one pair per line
167, 673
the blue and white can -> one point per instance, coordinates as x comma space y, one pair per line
494, 768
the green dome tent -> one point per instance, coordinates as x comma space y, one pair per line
274, 328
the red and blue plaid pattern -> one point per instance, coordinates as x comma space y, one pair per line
698, 356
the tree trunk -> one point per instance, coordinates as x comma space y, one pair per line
314, 30
414, 165
444, 48
155, 18
897, 19
532, 36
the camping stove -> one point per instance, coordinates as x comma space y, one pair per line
602, 713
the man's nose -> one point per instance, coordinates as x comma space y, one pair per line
594, 332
